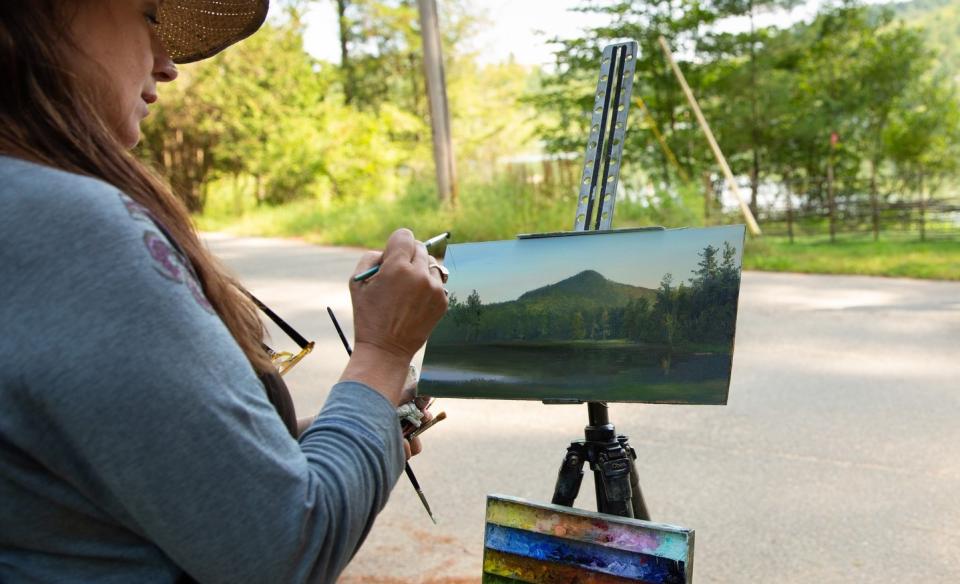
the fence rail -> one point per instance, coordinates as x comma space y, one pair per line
913, 207
853, 208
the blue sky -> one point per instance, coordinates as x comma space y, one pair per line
503, 270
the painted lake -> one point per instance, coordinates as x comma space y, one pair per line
586, 370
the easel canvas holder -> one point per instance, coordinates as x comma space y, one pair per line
610, 456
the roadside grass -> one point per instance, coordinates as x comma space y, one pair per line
934, 260
485, 212
503, 210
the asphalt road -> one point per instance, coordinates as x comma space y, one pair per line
837, 458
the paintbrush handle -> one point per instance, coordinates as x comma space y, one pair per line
366, 273
371, 271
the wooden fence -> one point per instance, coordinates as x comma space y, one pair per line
851, 208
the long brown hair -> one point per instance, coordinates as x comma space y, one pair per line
45, 117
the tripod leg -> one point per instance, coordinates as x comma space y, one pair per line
639, 506
570, 476
612, 471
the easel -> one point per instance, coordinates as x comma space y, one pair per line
611, 458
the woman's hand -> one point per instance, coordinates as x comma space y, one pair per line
394, 312
412, 446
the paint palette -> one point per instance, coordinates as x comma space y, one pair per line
547, 544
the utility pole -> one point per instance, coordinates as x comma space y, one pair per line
437, 96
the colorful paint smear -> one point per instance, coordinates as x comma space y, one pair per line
533, 542
655, 540
594, 558
514, 568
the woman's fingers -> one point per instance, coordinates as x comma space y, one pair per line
401, 247
412, 447
367, 261
421, 260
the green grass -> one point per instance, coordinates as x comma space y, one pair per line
935, 260
502, 210
485, 212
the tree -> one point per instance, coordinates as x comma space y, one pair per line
707, 266
473, 314
577, 327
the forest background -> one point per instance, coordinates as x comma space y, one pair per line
843, 130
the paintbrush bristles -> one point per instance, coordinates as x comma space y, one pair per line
426, 426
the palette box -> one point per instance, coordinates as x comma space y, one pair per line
531, 542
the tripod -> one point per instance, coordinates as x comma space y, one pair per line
614, 468
611, 458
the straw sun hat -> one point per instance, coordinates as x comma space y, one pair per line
196, 29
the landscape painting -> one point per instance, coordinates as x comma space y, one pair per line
616, 316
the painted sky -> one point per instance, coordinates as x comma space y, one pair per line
503, 270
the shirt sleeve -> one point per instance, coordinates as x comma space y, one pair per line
156, 415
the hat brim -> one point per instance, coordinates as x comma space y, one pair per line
192, 30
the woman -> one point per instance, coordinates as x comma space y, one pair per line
137, 441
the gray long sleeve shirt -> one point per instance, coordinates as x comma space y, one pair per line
136, 442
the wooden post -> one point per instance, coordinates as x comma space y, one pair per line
707, 196
874, 204
831, 202
923, 214
747, 215
437, 96
786, 183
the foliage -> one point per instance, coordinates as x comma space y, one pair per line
265, 139
773, 96
277, 121
265, 124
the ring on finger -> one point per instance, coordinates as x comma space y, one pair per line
444, 272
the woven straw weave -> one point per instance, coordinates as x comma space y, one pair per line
196, 29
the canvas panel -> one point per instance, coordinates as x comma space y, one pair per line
630, 316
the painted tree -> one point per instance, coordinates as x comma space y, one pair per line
577, 327
473, 314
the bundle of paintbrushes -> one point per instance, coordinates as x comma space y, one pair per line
410, 428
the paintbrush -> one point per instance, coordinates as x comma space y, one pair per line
428, 243
427, 425
406, 468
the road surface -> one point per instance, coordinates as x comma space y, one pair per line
837, 458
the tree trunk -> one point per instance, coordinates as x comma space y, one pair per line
349, 84
754, 118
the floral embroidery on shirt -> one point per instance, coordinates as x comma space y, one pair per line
171, 265
166, 261
135, 209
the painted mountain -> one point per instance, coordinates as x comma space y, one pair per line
588, 289
583, 306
